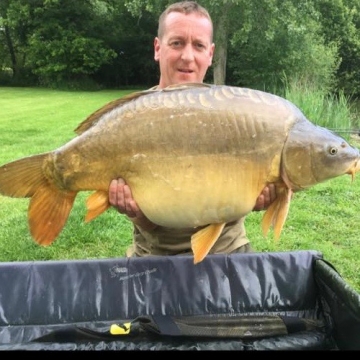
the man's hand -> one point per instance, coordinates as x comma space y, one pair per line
121, 198
267, 196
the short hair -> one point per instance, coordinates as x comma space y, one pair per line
184, 7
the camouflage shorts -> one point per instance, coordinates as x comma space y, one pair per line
243, 249
246, 248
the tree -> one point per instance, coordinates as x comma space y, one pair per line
259, 43
341, 24
12, 38
221, 14
7, 43
131, 37
65, 44
57, 39
277, 40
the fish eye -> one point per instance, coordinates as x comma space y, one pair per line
333, 151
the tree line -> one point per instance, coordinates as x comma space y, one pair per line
109, 43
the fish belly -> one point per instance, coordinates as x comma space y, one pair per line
194, 191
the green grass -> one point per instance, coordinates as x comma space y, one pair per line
324, 218
334, 112
34, 121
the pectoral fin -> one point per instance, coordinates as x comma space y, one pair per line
96, 204
277, 212
203, 240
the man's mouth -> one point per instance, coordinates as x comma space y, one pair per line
186, 71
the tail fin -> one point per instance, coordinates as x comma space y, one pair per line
21, 178
49, 206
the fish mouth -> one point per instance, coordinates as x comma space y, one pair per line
354, 169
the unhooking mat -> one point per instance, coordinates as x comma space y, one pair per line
256, 301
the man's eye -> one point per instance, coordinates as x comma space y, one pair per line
176, 44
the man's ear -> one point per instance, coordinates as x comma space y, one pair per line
156, 49
212, 50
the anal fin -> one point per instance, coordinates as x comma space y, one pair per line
203, 240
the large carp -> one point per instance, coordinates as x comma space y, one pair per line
193, 155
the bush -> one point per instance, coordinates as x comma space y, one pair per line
83, 83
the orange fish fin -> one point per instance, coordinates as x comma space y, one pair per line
96, 204
203, 240
21, 178
277, 212
282, 213
269, 216
49, 210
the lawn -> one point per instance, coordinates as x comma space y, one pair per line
324, 218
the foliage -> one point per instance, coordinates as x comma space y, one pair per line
340, 21
333, 111
109, 43
63, 47
132, 40
60, 40
281, 38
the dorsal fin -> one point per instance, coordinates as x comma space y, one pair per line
92, 119
95, 116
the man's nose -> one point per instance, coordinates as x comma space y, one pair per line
188, 53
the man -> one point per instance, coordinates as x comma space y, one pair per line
184, 49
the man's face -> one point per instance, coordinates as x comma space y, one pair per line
185, 51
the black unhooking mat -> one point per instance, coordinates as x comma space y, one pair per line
258, 301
